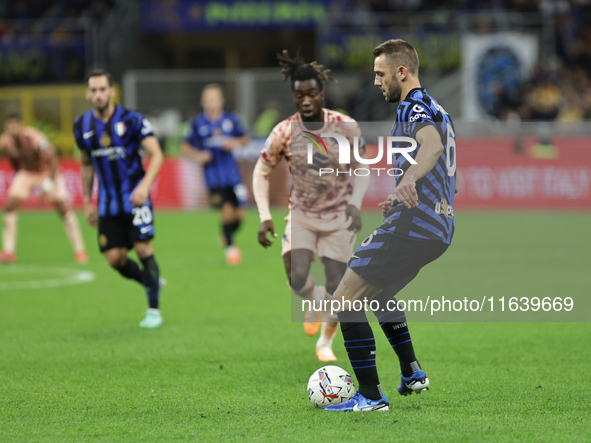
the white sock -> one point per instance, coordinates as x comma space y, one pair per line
72, 229
9, 231
323, 341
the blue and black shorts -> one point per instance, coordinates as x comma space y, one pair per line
124, 230
391, 261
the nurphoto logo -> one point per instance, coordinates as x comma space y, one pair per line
392, 145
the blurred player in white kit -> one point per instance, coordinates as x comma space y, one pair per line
37, 166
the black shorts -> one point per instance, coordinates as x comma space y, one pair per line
124, 230
390, 261
219, 196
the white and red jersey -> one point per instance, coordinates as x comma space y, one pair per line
27, 149
313, 193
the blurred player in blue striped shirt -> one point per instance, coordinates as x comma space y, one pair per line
110, 138
209, 140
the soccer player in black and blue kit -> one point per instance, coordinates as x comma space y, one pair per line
417, 229
210, 139
110, 138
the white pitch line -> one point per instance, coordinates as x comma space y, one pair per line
65, 277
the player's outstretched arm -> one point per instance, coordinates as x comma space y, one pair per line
140, 194
87, 172
260, 186
430, 150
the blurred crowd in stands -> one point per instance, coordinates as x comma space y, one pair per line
562, 94
54, 21
558, 90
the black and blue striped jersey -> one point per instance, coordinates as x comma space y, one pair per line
114, 148
209, 135
434, 217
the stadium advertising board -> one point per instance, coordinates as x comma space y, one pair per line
353, 50
205, 15
492, 175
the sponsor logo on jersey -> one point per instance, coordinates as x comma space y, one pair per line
417, 116
217, 141
444, 208
113, 152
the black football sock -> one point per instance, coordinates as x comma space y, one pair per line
235, 226
393, 323
151, 275
227, 230
131, 270
361, 348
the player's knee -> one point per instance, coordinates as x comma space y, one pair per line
228, 213
116, 259
12, 203
143, 249
297, 278
61, 207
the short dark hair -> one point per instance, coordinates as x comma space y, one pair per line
99, 73
401, 52
13, 116
296, 69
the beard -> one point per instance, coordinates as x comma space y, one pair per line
394, 91
104, 106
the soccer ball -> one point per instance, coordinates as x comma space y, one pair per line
330, 385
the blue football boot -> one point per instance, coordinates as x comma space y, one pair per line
418, 382
360, 403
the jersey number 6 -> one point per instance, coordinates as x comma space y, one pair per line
450, 151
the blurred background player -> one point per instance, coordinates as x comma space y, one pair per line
110, 137
324, 214
211, 138
37, 166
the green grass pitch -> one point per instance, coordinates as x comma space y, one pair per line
229, 363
